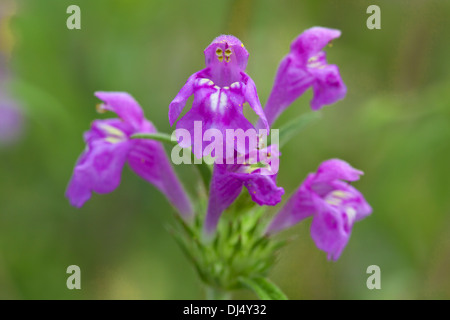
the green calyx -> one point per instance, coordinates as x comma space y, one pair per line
238, 254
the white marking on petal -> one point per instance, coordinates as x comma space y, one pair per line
223, 102
203, 81
235, 85
333, 201
218, 100
111, 131
341, 194
214, 100
113, 140
351, 214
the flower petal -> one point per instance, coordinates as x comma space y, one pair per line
251, 95
227, 114
263, 189
291, 81
328, 86
178, 103
148, 160
98, 169
299, 207
336, 169
224, 189
328, 229
350, 197
238, 50
114, 130
312, 41
124, 105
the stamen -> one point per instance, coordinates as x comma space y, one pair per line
219, 54
100, 107
228, 53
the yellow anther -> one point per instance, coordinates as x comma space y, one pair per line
227, 59
218, 52
228, 52
100, 108
220, 58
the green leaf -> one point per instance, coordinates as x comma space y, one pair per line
263, 288
159, 136
292, 128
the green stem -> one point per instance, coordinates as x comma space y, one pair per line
213, 293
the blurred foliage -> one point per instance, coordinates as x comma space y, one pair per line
394, 125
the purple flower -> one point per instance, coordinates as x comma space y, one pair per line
11, 121
306, 66
219, 90
334, 204
228, 179
109, 147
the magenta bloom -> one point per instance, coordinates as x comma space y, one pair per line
304, 67
334, 204
219, 90
109, 147
228, 179
11, 121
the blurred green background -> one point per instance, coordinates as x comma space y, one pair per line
394, 125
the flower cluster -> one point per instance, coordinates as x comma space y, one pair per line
109, 147
219, 93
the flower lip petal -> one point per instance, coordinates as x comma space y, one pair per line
328, 229
124, 105
328, 87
